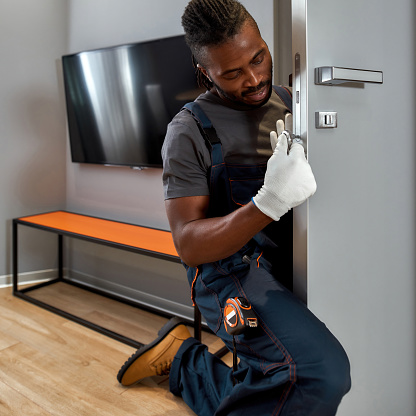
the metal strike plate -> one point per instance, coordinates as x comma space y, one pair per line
332, 75
326, 119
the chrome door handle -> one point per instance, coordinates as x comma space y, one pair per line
332, 75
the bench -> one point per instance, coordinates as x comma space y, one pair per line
138, 239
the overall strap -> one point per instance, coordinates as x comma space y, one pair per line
207, 131
204, 123
285, 95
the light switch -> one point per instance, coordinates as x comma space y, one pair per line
325, 119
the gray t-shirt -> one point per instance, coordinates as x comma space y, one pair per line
244, 134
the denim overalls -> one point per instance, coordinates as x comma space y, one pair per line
290, 364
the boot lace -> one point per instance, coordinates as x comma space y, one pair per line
162, 369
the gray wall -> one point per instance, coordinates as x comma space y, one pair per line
32, 124
361, 235
121, 193
38, 174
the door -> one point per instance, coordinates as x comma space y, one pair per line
355, 239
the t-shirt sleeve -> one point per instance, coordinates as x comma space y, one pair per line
186, 160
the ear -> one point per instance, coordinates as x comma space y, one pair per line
204, 71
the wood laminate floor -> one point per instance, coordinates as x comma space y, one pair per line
52, 366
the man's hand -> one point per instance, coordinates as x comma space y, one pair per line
282, 126
289, 180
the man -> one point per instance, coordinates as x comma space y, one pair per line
226, 197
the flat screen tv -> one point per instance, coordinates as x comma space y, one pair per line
120, 99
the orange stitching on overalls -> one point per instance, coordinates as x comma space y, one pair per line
282, 349
282, 399
193, 288
251, 179
258, 260
220, 317
231, 189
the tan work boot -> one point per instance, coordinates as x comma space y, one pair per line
156, 358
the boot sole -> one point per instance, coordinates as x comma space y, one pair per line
171, 324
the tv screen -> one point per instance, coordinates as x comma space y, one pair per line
120, 100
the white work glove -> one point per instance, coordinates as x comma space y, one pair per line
289, 180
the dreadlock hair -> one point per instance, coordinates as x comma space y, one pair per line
211, 23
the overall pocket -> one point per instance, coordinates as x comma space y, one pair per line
242, 190
245, 181
212, 287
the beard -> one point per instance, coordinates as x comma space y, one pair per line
238, 102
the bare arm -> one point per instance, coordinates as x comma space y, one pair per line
201, 240
288, 182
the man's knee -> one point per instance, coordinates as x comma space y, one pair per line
335, 376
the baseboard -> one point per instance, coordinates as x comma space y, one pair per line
29, 277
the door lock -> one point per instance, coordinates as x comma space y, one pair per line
326, 119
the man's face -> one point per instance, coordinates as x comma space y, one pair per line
241, 69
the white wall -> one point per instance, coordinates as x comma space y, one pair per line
32, 123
